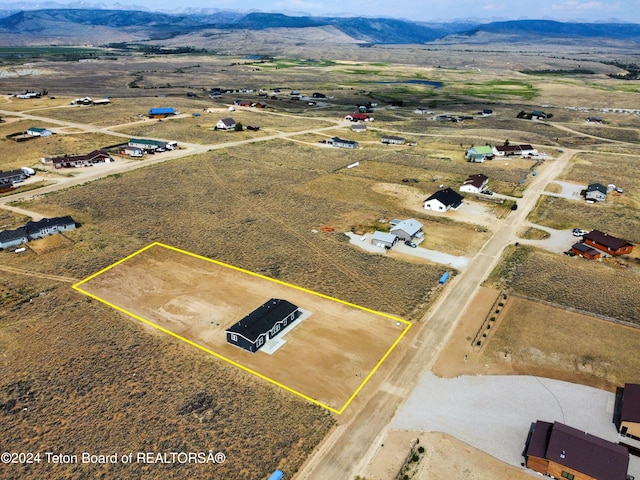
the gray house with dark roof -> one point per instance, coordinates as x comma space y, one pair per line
596, 192
35, 230
563, 452
12, 176
264, 323
443, 200
408, 229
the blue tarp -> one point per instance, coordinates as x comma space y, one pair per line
277, 475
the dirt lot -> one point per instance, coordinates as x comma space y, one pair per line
531, 338
199, 300
444, 457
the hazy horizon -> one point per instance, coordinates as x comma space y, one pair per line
485, 10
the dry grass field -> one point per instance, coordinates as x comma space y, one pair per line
29, 153
89, 377
602, 288
539, 337
198, 300
109, 385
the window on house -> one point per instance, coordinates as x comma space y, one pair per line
567, 475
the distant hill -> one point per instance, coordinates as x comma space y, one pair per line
97, 26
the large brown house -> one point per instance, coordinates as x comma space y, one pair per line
564, 452
608, 243
630, 413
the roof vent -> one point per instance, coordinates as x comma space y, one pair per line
562, 454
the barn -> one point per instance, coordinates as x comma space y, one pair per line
560, 451
264, 323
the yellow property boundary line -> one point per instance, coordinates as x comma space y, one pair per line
232, 362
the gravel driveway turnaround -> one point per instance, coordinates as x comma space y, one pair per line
494, 413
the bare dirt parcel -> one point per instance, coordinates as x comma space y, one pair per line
327, 358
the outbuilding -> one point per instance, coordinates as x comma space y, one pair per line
383, 239
584, 250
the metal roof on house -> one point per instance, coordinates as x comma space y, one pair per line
161, 111
78, 158
587, 453
263, 318
482, 150
229, 122
631, 403
513, 148
447, 197
145, 141
411, 226
606, 240
36, 129
383, 237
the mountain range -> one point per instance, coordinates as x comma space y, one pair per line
69, 26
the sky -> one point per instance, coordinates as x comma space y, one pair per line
418, 10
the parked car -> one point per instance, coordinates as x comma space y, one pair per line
514, 206
410, 243
579, 232
486, 192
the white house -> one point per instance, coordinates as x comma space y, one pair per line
475, 183
444, 200
226, 124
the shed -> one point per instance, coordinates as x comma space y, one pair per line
383, 239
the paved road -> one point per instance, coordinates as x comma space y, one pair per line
493, 413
